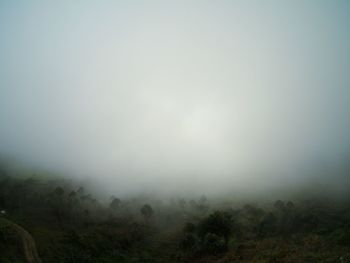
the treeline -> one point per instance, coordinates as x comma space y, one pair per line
64, 202
70, 225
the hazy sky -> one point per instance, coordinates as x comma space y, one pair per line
208, 94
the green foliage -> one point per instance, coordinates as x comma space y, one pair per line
210, 236
59, 191
213, 244
190, 242
189, 228
219, 223
341, 236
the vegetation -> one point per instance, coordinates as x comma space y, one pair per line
70, 225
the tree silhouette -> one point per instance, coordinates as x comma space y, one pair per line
147, 211
219, 223
115, 204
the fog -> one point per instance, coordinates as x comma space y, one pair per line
178, 96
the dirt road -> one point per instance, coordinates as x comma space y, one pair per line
29, 247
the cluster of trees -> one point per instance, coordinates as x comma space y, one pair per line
210, 235
59, 202
221, 231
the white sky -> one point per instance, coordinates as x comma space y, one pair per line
199, 93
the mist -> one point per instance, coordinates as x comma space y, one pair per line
178, 96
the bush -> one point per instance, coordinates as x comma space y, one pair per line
341, 236
213, 244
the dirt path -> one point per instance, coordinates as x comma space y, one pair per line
29, 247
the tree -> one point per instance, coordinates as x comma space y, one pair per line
57, 203
267, 225
190, 241
219, 223
72, 195
279, 205
147, 211
290, 205
203, 205
189, 228
59, 191
81, 190
115, 204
